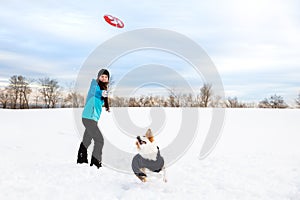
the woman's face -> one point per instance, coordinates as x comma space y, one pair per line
103, 78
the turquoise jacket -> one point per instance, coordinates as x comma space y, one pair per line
93, 106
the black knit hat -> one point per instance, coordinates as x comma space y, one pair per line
103, 71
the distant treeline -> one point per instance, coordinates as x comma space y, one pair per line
24, 93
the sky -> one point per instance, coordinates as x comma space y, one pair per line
255, 44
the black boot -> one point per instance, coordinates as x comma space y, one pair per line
96, 162
82, 154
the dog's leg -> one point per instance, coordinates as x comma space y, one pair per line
143, 170
164, 175
143, 178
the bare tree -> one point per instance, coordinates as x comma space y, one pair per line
205, 95
149, 101
250, 105
133, 102
4, 97
118, 101
14, 91
184, 100
217, 102
25, 91
298, 101
159, 101
187, 100
234, 103
273, 102
50, 91
36, 98
264, 103
74, 99
19, 90
172, 101
174, 98
142, 101
190, 100
277, 102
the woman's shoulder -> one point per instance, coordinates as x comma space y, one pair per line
94, 82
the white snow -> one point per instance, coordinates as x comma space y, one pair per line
257, 157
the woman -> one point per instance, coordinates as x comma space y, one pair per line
97, 96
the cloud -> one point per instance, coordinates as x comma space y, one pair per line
243, 38
20, 64
42, 21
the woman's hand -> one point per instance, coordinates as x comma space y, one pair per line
104, 93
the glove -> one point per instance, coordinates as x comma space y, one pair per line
104, 93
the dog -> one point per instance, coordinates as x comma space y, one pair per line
148, 157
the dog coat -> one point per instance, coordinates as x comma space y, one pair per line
138, 162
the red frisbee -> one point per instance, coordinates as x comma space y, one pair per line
114, 21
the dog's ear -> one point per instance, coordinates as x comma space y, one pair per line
151, 139
149, 133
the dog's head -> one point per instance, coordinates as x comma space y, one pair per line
148, 138
143, 140
146, 145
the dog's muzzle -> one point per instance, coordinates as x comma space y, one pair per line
140, 140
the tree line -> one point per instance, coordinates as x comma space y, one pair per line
205, 98
19, 94
24, 93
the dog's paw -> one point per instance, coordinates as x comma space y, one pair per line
142, 178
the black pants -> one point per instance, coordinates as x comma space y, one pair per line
92, 132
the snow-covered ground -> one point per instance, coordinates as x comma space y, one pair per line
257, 157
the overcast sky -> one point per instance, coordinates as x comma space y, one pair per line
255, 44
